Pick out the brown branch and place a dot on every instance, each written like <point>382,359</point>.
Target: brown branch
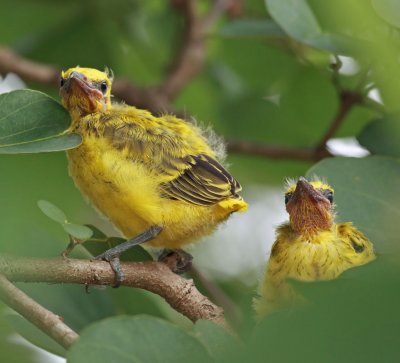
<point>156,277</point>
<point>44,319</point>
<point>347,100</point>
<point>276,152</point>
<point>190,59</point>
<point>28,70</point>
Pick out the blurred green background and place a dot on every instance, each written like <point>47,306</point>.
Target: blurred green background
<point>271,76</point>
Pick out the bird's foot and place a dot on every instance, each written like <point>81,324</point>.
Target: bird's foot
<point>112,254</point>
<point>177,260</point>
<point>115,263</point>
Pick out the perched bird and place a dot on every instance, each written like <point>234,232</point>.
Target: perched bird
<point>157,179</point>
<point>310,247</point>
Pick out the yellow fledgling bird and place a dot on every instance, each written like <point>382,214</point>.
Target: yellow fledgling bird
<point>310,247</point>
<point>155,178</point>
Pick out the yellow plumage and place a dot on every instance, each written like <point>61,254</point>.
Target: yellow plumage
<point>141,170</point>
<point>311,247</point>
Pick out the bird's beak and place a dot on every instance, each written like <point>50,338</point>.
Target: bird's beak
<point>77,82</point>
<point>309,210</point>
<point>78,90</point>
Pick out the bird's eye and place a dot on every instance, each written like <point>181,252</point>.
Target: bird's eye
<point>287,197</point>
<point>103,87</point>
<point>329,196</point>
<point>62,82</point>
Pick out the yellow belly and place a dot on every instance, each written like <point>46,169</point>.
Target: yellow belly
<point>128,194</point>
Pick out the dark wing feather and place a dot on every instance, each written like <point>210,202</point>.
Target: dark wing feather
<point>204,182</point>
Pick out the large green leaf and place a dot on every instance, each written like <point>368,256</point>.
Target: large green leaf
<point>366,193</point>
<point>297,18</point>
<point>136,339</point>
<point>389,10</point>
<point>31,121</point>
<point>218,342</point>
<point>352,319</point>
<point>382,137</point>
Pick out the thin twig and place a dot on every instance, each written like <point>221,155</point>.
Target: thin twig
<point>347,100</point>
<point>156,277</point>
<point>44,319</point>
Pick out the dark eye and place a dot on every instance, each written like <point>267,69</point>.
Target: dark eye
<point>103,87</point>
<point>62,81</point>
<point>287,197</point>
<point>329,196</point>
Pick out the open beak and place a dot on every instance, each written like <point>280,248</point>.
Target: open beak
<point>309,210</point>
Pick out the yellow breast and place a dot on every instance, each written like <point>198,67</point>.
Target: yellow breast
<point>323,257</point>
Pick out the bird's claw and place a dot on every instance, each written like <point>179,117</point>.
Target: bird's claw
<point>177,260</point>
<point>115,264</point>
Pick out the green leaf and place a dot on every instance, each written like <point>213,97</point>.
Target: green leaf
<point>78,231</point>
<point>250,28</point>
<point>389,10</point>
<point>33,334</point>
<point>31,121</point>
<point>295,17</point>
<point>97,233</point>
<point>366,193</point>
<point>298,20</point>
<point>136,339</point>
<point>351,319</point>
<point>57,143</point>
<point>382,136</point>
<point>51,211</point>
<point>218,342</point>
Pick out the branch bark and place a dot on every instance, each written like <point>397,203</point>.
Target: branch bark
<point>156,277</point>
<point>277,151</point>
<point>44,319</point>
<point>347,100</point>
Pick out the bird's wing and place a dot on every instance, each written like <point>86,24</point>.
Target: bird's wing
<point>186,172</point>
<point>358,241</point>
<point>203,181</point>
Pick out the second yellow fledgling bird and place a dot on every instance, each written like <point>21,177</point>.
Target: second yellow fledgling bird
<point>158,179</point>
<point>310,247</point>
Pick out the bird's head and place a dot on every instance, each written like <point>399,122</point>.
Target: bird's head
<point>310,206</point>
<point>85,90</point>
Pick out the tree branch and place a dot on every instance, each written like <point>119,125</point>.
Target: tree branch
<point>277,151</point>
<point>190,58</point>
<point>44,319</point>
<point>28,70</point>
<point>156,277</point>
<point>347,100</point>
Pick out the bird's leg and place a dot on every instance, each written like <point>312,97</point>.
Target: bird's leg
<point>112,254</point>
<point>177,260</point>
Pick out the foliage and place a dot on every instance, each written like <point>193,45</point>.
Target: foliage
<point>268,79</point>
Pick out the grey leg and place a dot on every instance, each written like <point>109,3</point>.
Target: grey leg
<point>112,255</point>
